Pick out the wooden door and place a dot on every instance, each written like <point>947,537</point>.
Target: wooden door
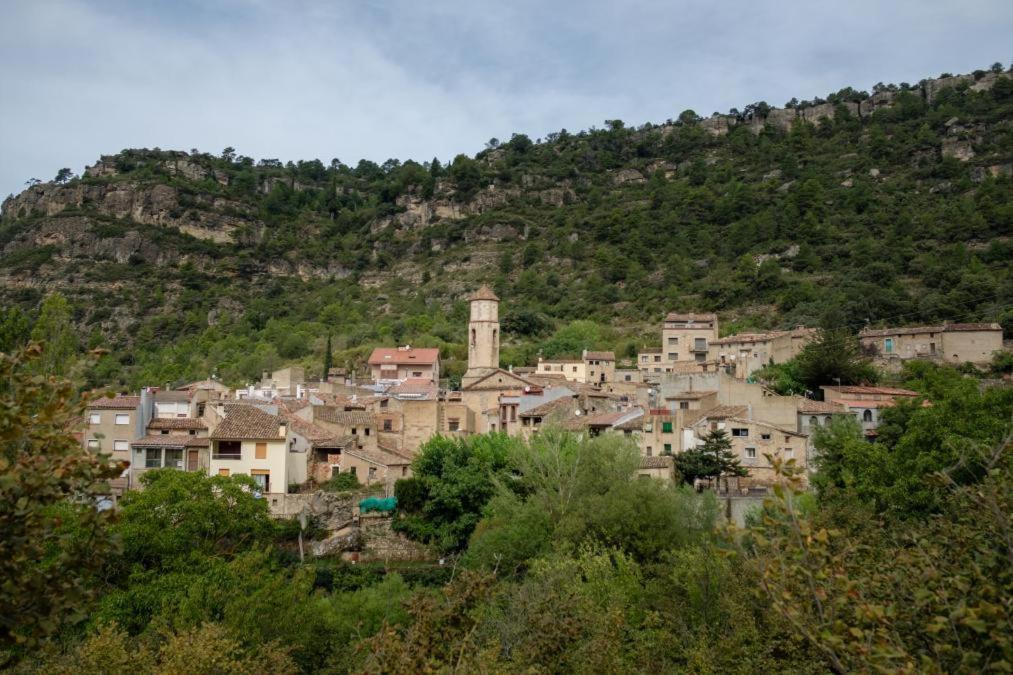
<point>191,460</point>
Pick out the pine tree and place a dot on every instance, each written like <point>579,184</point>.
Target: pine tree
<point>713,459</point>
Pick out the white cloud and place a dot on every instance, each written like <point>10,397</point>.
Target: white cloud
<point>413,80</point>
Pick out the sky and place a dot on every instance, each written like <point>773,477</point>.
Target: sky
<point>411,79</point>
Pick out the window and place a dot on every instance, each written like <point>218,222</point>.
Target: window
<point>121,446</point>
<point>513,413</point>
<point>764,437</point>
<point>223,472</point>
<point>751,453</point>
<point>95,418</point>
<point>173,458</point>
<point>383,403</point>
<point>741,433</point>
<point>668,449</point>
<point>627,377</point>
<point>574,368</point>
<point>228,450</point>
<point>122,419</point>
<point>352,470</point>
<point>453,424</point>
<point>262,478</point>
<point>657,358</point>
<point>372,473</point>
<point>152,458</point>
<point>700,344</point>
<point>388,425</point>
<point>666,427</point>
<point>261,451</point>
<point>683,405</point>
<point>404,470</point>
<point>673,356</point>
<point>867,416</point>
<point>672,341</point>
<point>365,430</point>
<point>888,345</point>
<point>416,373</point>
<point>789,453</point>
<point>93,444</point>
<point>814,421</point>
<point>650,451</point>
<point>355,431</point>
<point>643,358</point>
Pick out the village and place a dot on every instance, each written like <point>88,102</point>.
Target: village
<point>291,434</point>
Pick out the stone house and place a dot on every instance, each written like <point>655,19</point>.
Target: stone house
<point>573,370</point>
<point>600,367</point>
<point>112,425</point>
<point>867,403</point>
<point>650,362</point>
<point>950,343</point>
<point>814,414</point>
<point>752,442</point>
<point>687,336</point>
<point>396,364</point>
<point>743,354</point>
<point>170,443</point>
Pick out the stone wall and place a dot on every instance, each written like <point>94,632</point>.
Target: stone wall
<point>380,542</point>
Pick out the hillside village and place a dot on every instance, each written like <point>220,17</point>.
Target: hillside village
<point>292,434</point>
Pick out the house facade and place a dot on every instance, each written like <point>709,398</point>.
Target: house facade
<point>743,354</point>
<point>950,343</point>
<point>396,364</point>
<point>253,442</point>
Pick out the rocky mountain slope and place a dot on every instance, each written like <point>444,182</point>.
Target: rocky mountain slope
<point>892,207</point>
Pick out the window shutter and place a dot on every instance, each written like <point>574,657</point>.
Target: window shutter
<point>261,451</point>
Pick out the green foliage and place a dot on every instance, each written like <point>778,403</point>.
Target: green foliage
<point>452,481</point>
<point>710,460</point>
<point>53,537</point>
<point>180,514</point>
<point>343,482</point>
<point>898,474</point>
<point>834,357</point>
<point>55,330</point>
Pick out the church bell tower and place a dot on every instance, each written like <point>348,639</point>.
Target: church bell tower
<point>483,331</point>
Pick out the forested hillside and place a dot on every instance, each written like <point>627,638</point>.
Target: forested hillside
<point>889,208</point>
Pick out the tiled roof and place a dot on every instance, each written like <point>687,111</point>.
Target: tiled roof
<point>604,419</point>
<point>543,409</point>
<point>379,456</point>
<point>600,356</point>
<point>691,395</point>
<point>766,425</point>
<point>690,316</point>
<point>483,293</point>
<point>403,356</point>
<point>720,412</point>
<point>171,441</point>
<point>171,396</point>
<point>882,391</point>
<point>158,423</point>
<point>117,403</point>
<point>889,403</point>
<point>351,418</point>
<point>415,387</point>
<point>562,361</point>
<point>917,330</point>
<point>651,350</point>
<point>657,462</point>
<point>810,406</point>
<point>634,424</point>
<point>307,430</point>
<point>247,422</point>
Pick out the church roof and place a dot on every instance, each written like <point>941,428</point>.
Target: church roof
<point>483,293</point>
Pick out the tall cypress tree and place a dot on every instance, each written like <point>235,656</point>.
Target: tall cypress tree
<point>328,360</point>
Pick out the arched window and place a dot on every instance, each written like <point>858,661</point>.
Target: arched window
<point>814,421</point>
<point>867,416</point>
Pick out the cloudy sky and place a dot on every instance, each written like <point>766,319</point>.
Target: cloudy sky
<point>298,79</point>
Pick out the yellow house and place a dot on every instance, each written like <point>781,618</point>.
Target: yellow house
<point>252,442</point>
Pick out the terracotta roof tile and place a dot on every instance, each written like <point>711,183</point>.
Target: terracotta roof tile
<point>657,462</point>
<point>600,356</point>
<point>115,403</point>
<point>483,293</point>
<point>404,356</point>
<point>158,423</point>
<point>809,406</point>
<point>351,418</point>
<point>690,316</point>
<point>543,409</point>
<point>247,422</point>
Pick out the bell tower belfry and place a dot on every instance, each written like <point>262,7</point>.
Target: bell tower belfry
<point>483,332</point>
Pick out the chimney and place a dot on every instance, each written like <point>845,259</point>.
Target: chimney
<point>282,428</point>
<point>583,354</point>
